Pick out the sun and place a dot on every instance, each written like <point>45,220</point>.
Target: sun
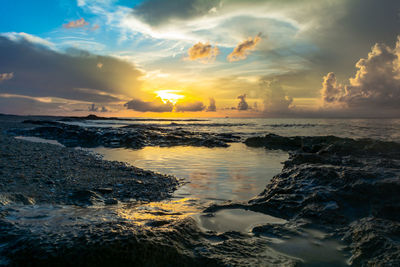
<point>169,96</point>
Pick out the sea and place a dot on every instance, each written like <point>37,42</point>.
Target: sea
<point>236,173</point>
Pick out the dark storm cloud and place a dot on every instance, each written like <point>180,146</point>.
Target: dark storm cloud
<point>350,36</point>
<point>41,72</point>
<point>156,105</point>
<point>157,12</point>
<point>19,105</point>
<point>189,106</point>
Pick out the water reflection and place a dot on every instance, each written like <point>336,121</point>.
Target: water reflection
<point>236,173</point>
<point>158,213</point>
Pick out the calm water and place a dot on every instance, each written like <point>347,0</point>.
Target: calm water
<point>236,173</point>
<point>214,174</point>
<point>384,129</point>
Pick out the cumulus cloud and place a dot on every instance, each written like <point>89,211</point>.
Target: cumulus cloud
<point>243,49</point>
<point>212,107</point>
<point>6,76</point>
<point>79,23</point>
<point>42,72</point>
<point>189,106</point>
<point>276,100</point>
<point>93,108</point>
<point>156,105</point>
<point>157,12</point>
<point>331,91</point>
<point>242,105</point>
<point>376,84</point>
<point>203,52</point>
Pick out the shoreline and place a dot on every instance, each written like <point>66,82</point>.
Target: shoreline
<point>330,189</point>
<point>45,173</point>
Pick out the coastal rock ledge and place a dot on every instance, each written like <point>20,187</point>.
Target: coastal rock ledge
<point>350,188</point>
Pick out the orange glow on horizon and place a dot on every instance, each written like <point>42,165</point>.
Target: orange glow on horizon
<point>169,96</point>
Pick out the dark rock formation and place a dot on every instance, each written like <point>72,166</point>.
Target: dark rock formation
<point>132,136</point>
<point>349,187</point>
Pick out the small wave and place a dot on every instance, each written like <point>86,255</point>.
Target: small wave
<point>291,125</point>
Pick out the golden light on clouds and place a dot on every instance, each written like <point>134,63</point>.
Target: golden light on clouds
<point>241,51</point>
<point>203,52</point>
<point>169,96</point>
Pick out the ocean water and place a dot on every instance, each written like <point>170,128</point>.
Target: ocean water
<point>382,129</point>
<point>238,172</point>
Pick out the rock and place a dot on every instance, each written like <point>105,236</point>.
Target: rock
<point>84,197</point>
<point>131,136</point>
<point>350,187</point>
<point>111,201</point>
<point>104,190</point>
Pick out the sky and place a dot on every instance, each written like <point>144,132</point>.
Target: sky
<point>200,58</point>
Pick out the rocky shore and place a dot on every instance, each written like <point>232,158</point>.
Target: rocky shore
<point>132,136</point>
<point>42,173</point>
<point>345,187</point>
<point>62,206</point>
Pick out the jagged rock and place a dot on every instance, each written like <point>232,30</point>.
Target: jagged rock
<point>85,197</point>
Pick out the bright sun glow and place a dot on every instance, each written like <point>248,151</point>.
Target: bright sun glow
<point>169,95</point>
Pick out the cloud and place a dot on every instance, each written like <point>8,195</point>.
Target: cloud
<point>42,72</point>
<point>189,106</point>
<point>241,51</point>
<point>23,36</point>
<point>330,91</point>
<point>6,76</point>
<point>156,105</point>
<point>158,12</point>
<point>276,100</point>
<point>93,108</point>
<point>95,27</point>
<point>79,23</point>
<point>242,103</point>
<point>212,107</point>
<point>375,86</point>
<point>203,52</point>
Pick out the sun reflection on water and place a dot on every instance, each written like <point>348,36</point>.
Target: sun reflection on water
<point>166,211</point>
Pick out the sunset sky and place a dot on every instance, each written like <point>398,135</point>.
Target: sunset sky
<point>202,58</point>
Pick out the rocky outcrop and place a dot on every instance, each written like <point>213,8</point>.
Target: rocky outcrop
<point>132,136</point>
<point>349,187</point>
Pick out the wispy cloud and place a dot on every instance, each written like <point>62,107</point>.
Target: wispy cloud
<point>6,76</point>
<point>79,23</point>
<point>23,36</point>
<point>243,49</point>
